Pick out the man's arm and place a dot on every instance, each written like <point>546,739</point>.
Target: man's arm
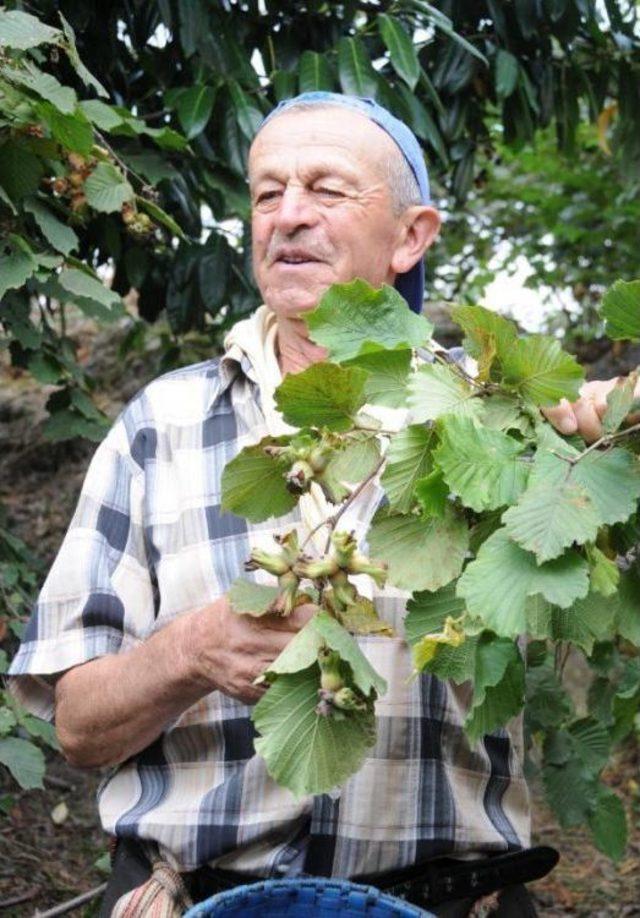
<point>113,707</point>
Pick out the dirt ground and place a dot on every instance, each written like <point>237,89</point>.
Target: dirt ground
<point>48,853</point>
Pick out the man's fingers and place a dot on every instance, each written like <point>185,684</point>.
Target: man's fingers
<point>562,417</point>
<point>588,419</point>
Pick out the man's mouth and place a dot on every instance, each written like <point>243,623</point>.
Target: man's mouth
<point>295,258</point>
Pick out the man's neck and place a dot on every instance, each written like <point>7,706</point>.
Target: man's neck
<point>295,351</point>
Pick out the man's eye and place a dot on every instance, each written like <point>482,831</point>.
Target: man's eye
<point>329,192</point>
<point>267,196</point>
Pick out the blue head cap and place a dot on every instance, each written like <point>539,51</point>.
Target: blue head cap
<point>411,283</point>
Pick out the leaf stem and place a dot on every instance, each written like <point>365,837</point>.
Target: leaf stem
<point>605,440</point>
<point>356,491</point>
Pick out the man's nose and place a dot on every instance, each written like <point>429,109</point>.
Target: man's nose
<point>296,210</point>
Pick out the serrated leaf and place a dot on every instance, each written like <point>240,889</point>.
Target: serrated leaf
<point>591,742</point>
<point>86,289</point>
<point>497,583</point>
<point>253,484</point>
<point>401,49</point>
<point>24,760</point>
<point>421,554</point>
<point>483,467</point>
<point>361,617</point>
<point>547,704</point>
<point>107,189</point>
<point>357,76</point>
<point>627,607</point>
<point>451,637</point>
<point>74,132</point>
<point>323,395</point>
<point>352,318</point>
<point>15,270</point>
<point>621,309</point>
<point>541,371</point>
<point>436,390</point>
<point>586,621</point>
<point>160,216</point>
<point>619,402</point>
<point>498,687</point>
<point>22,31</point>
<point>608,823</point>
<point>408,459</point>
<point>194,107</point>
<point>58,234</point>
<point>571,791</point>
<point>105,117</point>
<point>314,73</point>
<point>250,598</point>
<point>432,494</point>
<point>487,335</point>
<point>72,53</point>
<point>507,69</point>
<point>20,170</point>
<point>567,501</point>
<point>604,573</point>
<point>349,466</point>
<point>427,611</point>
<point>304,751</point>
<point>44,85</point>
<point>388,374</point>
<point>502,412</point>
<point>7,720</point>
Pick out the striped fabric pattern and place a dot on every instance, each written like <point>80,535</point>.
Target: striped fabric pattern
<point>148,542</point>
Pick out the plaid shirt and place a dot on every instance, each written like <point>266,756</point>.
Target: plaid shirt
<point>148,542</point>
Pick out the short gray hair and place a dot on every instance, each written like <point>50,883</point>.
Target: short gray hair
<point>403,185</point>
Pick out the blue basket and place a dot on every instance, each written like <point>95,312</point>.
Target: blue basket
<point>308,898</point>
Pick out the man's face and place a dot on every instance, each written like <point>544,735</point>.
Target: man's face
<point>322,210</point>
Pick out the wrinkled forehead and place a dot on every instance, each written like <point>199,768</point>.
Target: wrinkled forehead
<point>333,133</point>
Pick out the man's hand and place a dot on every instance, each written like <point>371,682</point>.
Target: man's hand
<point>583,417</point>
<point>229,651</point>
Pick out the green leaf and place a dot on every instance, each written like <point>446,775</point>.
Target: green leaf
<point>361,617</point>
<point>621,309</point>
<point>568,501</point>
<point>304,751</point>
<point>541,371</point>
<point>249,598</point>
<point>351,319</point>
<point>91,294</point>
<point>247,112</point>
<point>436,390</point>
<point>194,107</point>
<point>72,53</point>
<point>314,73</point>
<point>20,170</point>
<point>497,583</point>
<point>160,216</point>
<point>619,403</point>
<point>24,760</point>
<point>498,687</point>
<point>421,554</point>
<point>74,132</point>
<point>627,611</point>
<point>45,368</point>
<point>323,395</point>
<point>105,117</point>
<point>357,76</point>
<point>506,73</point>
<point>21,31</point>
<point>502,412</point>
<point>40,729</point>
<point>7,720</point>
<point>253,484</point>
<point>388,374</point>
<point>427,613</point>
<point>432,494</point>
<point>107,189</point>
<point>588,620</point>
<point>408,459</point>
<point>483,467</point>
<point>571,791</point>
<point>15,270</point>
<point>608,823</point>
<point>487,335</point>
<point>401,49</point>
<point>351,464</point>
<point>44,85</point>
<point>284,84</point>
<point>58,234</point>
<point>604,573</point>
<point>591,742</point>
<point>547,704</point>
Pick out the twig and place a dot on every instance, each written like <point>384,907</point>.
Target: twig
<point>21,897</point>
<point>72,903</point>
<point>126,169</point>
<point>602,441</point>
<point>58,782</point>
<point>363,484</point>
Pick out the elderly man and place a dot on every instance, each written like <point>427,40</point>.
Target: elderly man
<point>133,645</point>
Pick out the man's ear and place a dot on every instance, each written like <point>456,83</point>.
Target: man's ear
<point>419,230</point>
